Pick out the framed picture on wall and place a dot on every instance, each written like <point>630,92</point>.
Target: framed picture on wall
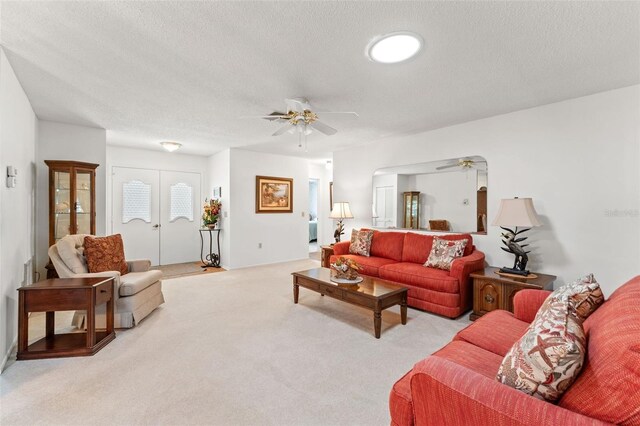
<point>274,194</point>
<point>217,192</point>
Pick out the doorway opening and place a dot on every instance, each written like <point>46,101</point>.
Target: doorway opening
<point>313,216</point>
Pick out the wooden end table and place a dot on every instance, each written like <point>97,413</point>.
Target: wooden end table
<point>66,294</point>
<point>372,293</point>
<point>492,291</point>
<point>325,257</point>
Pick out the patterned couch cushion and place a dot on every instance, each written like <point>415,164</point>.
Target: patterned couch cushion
<point>444,252</point>
<point>584,295</point>
<point>550,355</point>
<point>105,254</point>
<point>361,242</point>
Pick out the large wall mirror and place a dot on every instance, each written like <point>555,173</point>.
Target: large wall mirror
<point>446,195</point>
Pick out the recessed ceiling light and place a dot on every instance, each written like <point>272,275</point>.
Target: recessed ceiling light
<point>171,146</point>
<point>394,47</point>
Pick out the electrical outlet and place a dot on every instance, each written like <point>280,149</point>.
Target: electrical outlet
<point>259,245</point>
<point>225,213</point>
<point>465,201</point>
<point>302,214</point>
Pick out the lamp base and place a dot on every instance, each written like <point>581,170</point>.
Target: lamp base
<point>506,270</point>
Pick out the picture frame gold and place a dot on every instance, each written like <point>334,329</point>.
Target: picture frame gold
<point>274,194</point>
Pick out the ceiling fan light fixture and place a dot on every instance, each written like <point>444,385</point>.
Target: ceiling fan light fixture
<point>171,146</point>
<point>394,47</point>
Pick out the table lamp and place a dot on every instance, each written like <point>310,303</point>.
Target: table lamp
<point>340,211</point>
<point>514,213</point>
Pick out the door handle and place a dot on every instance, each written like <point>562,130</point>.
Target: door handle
<point>156,226</point>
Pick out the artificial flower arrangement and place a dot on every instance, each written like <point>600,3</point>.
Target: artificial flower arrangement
<point>346,268</point>
<point>211,211</point>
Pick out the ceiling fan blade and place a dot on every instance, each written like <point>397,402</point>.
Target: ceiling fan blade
<point>267,117</point>
<point>447,167</point>
<point>323,128</point>
<point>282,130</point>
<point>338,112</point>
<point>298,104</point>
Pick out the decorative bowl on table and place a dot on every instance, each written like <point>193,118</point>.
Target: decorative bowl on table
<point>345,271</point>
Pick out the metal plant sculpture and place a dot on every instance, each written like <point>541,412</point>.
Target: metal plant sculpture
<point>339,231</point>
<point>511,240</point>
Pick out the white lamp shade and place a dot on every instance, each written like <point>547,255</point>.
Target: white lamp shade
<point>517,212</point>
<point>341,211</point>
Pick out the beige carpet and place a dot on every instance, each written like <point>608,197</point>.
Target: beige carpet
<point>231,349</point>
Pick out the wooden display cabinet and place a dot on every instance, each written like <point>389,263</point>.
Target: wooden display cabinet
<point>72,201</point>
<point>411,202</point>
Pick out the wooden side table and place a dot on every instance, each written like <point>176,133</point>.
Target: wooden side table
<point>492,291</point>
<point>327,252</point>
<point>64,295</point>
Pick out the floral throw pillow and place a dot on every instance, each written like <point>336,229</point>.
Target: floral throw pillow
<point>105,254</point>
<point>361,242</point>
<point>549,357</point>
<point>444,252</point>
<point>584,295</point>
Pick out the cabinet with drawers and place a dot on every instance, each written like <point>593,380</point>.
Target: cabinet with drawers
<point>492,291</point>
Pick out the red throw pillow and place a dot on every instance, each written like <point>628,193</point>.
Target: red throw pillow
<point>105,254</point>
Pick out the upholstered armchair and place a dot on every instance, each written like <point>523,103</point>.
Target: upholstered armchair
<point>137,293</point>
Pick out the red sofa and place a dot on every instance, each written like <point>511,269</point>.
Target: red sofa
<point>457,386</point>
<point>400,256</point>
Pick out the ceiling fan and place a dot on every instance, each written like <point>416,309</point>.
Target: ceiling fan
<point>301,118</point>
<point>463,163</point>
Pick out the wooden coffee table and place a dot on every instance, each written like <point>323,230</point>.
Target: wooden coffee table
<point>372,293</point>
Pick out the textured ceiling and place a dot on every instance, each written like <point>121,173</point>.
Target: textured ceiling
<point>187,71</point>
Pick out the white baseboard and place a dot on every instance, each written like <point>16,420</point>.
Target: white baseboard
<point>6,357</point>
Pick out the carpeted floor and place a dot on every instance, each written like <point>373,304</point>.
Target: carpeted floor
<point>231,349</point>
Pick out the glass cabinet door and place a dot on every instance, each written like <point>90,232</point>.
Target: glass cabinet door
<point>62,204</point>
<point>82,203</point>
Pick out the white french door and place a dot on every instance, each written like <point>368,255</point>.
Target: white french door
<point>136,211</point>
<point>158,214</point>
<point>179,217</point>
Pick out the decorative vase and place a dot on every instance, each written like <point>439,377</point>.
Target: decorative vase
<point>211,225</point>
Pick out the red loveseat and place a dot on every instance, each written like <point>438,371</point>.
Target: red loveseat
<point>457,386</point>
<point>400,257</point>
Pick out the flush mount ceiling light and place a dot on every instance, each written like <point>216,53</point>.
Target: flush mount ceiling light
<point>394,47</point>
<point>171,146</point>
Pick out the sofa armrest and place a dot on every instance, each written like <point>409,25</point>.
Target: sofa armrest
<point>139,265</point>
<point>526,303</point>
<point>341,248</point>
<point>105,274</point>
<point>446,393</point>
<point>461,268</point>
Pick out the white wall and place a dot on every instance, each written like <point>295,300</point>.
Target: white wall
<point>60,141</point>
<point>18,133</point>
<point>219,175</point>
<point>284,236</point>
<point>577,159</point>
<point>325,225</point>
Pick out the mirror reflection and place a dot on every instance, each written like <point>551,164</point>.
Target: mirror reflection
<point>445,195</point>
